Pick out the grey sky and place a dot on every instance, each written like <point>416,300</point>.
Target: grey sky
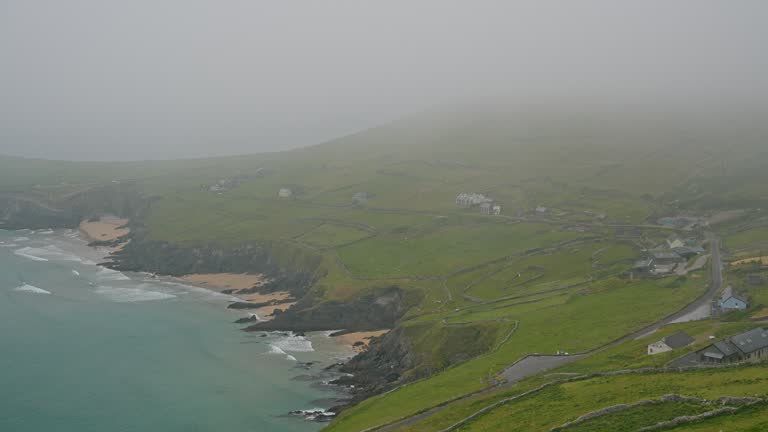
<point>105,79</point>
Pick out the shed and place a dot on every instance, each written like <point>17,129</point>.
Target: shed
<point>731,301</point>
<point>669,343</point>
<point>285,193</point>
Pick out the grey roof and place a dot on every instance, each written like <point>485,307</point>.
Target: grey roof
<point>643,264</point>
<point>678,340</point>
<point>728,293</point>
<point>659,255</point>
<point>725,347</point>
<point>751,341</point>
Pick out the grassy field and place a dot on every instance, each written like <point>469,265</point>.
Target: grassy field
<point>477,275</point>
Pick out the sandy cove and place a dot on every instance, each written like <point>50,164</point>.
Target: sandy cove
<point>107,228</point>
<point>232,283</point>
<point>362,339</point>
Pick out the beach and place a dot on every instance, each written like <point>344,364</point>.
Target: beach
<point>359,340</point>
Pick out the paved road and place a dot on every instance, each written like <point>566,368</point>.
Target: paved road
<point>533,365</point>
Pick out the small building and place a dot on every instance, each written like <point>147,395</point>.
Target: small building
<point>687,251</point>
<point>285,193</point>
<point>496,209</point>
<point>750,346</point>
<point>665,257</point>
<point>541,210</point>
<point>465,199</point>
<point>642,266</point>
<point>720,352</point>
<point>731,301</point>
<point>485,208</point>
<point>669,343</point>
<point>675,241</point>
<point>361,197</point>
<point>753,344</point>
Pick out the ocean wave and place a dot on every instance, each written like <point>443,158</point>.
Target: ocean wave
<point>75,272</point>
<point>199,290</point>
<point>31,289</point>
<point>112,275</point>
<point>44,232</point>
<point>293,344</point>
<point>273,349</point>
<point>21,239</point>
<point>9,245</point>
<point>23,253</point>
<point>47,253</point>
<point>131,295</point>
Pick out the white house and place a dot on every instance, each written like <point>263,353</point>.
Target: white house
<point>285,193</point>
<point>669,343</point>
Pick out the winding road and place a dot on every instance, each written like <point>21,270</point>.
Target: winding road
<point>535,364</point>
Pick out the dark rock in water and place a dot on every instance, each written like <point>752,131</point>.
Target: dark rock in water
<point>228,291</point>
<point>244,320</point>
<point>263,335</point>
<point>299,333</point>
<point>245,305</point>
<point>358,343</point>
<point>315,415</point>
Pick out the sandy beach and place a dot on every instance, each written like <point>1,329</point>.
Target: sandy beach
<point>352,338</point>
<point>226,281</point>
<point>107,228</point>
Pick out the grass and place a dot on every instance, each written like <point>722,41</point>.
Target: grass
<point>457,246</point>
<point>638,417</point>
<point>565,402</point>
<point>411,234</point>
<point>577,324</point>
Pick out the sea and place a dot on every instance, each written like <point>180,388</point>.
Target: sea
<point>84,348</point>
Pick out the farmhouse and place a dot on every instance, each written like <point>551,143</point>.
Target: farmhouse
<point>720,352</point>
<point>750,346</point>
<point>675,241</point>
<point>541,210</point>
<point>669,343</point>
<point>496,209</point>
<point>285,193</point>
<point>753,344</point>
<point>361,197</point>
<point>665,257</point>
<point>471,199</point>
<point>730,301</point>
<point>688,251</point>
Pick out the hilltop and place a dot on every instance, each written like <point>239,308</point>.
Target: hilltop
<point>368,232</point>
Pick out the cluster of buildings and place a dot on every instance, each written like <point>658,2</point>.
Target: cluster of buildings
<point>285,192</point>
<point>750,346</point>
<point>486,204</point>
<point>667,258</point>
<point>222,185</point>
<point>686,223</point>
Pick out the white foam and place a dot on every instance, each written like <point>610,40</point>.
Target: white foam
<point>31,289</point>
<point>9,245</point>
<point>45,232</point>
<point>112,275</point>
<point>131,295</point>
<point>47,253</point>
<point>293,344</point>
<point>23,253</point>
<point>273,349</point>
<point>75,272</point>
<point>21,239</point>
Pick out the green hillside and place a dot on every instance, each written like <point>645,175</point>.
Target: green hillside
<point>490,289</point>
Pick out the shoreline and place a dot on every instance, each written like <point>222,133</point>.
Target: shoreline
<point>107,229</point>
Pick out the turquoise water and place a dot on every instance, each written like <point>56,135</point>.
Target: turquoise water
<point>86,349</point>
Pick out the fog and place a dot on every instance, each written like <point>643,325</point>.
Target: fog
<point>141,79</point>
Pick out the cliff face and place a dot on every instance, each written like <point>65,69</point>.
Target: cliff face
<point>36,210</point>
<point>381,308</point>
